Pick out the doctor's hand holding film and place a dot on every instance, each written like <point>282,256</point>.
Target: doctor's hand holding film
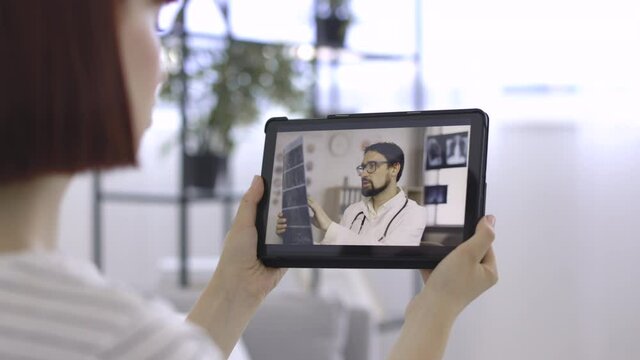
<point>320,219</point>
<point>459,278</point>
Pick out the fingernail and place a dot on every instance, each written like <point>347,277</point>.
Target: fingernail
<point>491,219</point>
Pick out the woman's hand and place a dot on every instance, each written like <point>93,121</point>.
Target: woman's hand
<point>239,266</point>
<point>459,278</point>
<point>466,272</point>
<point>240,282</point>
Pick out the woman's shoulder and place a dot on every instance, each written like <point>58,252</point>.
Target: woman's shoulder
<point>66,281</point>
<point>70,307</point>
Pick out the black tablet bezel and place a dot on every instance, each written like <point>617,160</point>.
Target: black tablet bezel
<point>400,257</point>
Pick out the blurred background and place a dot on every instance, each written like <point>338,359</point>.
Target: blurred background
<point>559,80</point>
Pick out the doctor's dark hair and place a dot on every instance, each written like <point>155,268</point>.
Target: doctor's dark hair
<point>63,100</point>
<point>391,152</point>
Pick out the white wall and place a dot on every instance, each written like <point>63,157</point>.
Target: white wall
<point>566,199</point>
<point>562,170</point>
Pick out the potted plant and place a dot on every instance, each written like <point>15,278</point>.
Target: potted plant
<point>332,20</point>
<point>228,86</point>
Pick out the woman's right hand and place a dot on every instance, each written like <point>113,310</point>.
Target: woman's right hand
<point>459,278</point>
<point>464,274</point>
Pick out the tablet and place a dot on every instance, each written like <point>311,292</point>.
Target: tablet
<point>377,190</point>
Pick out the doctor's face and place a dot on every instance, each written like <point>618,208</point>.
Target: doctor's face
<point>377,181</point>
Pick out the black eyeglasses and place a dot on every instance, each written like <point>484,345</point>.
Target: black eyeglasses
<point>371,167</point>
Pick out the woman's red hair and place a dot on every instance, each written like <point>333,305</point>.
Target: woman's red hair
<point>63,101</point>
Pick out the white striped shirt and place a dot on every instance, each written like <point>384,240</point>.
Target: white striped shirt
<point>52,307</point>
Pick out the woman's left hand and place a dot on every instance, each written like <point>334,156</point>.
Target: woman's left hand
<point>240,282</point>
<point>239,266</point>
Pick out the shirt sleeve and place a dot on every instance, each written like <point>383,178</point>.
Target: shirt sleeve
<point>162,335</point>
<point>330,237</point>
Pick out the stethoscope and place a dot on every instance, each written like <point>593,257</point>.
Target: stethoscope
<point>364,217</point>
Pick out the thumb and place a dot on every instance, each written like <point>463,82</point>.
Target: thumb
<point>246,215</point>
<point>481,241</point>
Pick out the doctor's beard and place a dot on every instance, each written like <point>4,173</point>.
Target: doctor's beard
<point>373,191</point>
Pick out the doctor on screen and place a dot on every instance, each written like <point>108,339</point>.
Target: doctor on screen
<point>385,217</point>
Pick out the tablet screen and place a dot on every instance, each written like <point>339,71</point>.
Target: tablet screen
<point>402,186</point>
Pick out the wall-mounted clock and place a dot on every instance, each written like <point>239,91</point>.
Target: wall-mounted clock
<point>339,144</point>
